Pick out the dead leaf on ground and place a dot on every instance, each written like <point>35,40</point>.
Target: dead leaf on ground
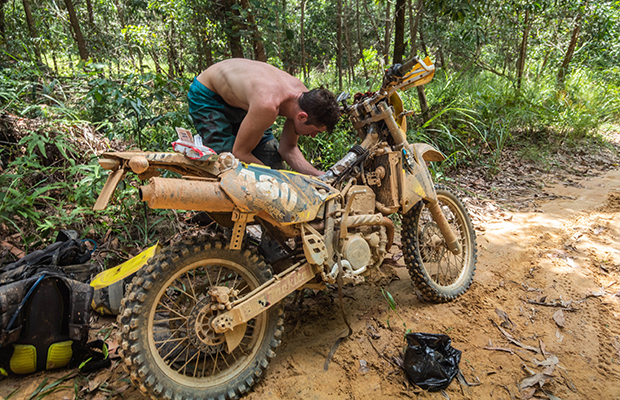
<point>527,395</point>
<point>508,324</point>
<point>363,367</point>
<point>596,293</point>
<point>568,382</point>
<point>17,252</point>
<point>558,317</point>
<point>543,348</point>
<point>551,360</point>
<point>94,383</point>
<point>536,379</point>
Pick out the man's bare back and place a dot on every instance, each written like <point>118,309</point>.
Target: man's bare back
<point>242,83</point>
<point>265,92</point>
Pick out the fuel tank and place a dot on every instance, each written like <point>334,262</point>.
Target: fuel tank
<point>289,197</point>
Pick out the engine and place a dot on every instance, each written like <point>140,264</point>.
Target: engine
<point>367,238</point>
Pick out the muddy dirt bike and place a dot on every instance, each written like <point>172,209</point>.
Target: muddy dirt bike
<point>203,318</point>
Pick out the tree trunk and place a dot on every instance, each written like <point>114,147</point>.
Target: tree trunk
<point>54,61</point>
<point>75,24</point>
<point>359,39</point>
<point>2,21</point>
<point>571,48</point>
<point>348,42</point>
<point>399,31</point>
<point>415,23</point>
<point>32,29</point>
<point>208,50</point>
<point>121,14</point>
<point>523,49</point>
<point>388,38</point>
<point>422,41</point>
<point>257,41</point>
<point>173,57</point>
<point>278,32</point>
<point>233,28</point>
<point>155,61</point>
<point>372,21</point>
<point>414,49</point>
<point>302,38</point>
<point>91,17</point>
<point>339,40</point>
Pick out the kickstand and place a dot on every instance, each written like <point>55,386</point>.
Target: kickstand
<point>344,316</point>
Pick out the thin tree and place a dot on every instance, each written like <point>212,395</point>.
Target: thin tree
<point>233,28</point>
<point>359,38</point>
<point>414,50</point>
<point>388,33</point>
<point>77,32</point>
<point>399,31</point>
<point>2,21</point>
<point>523,49</point>
<point>257,41</point>
<point>339,39</point>
<point>32,29</point>
<point>303,49</point>
<point>348,42</point>
<point>91,16</point>
<point>568,56</point>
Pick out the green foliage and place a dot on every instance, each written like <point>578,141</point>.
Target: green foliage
<point>392,306</point>
<point>139,108</point>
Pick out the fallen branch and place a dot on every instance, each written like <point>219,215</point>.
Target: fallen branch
<point>514,341</point>
<point>507,350</point>
<point>554,304</point>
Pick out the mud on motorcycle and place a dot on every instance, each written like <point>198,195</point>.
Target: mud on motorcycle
<point>203,318</point>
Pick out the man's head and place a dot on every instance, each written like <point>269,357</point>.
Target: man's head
<point>321,108</point>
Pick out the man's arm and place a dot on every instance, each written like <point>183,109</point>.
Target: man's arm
<point>291,154</point>
<point>251,130</point>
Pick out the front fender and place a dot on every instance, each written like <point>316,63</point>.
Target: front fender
<point>428,152</point>
<point>417,183</point>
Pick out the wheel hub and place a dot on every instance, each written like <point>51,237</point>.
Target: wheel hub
<point>201,334</point>
<point>434,244</point>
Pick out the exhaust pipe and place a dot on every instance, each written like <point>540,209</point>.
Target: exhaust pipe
<point>183,194</point>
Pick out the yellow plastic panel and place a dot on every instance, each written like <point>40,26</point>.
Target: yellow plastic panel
<point>59,354</point>
<point>24,359</point>
<point>108,277</point>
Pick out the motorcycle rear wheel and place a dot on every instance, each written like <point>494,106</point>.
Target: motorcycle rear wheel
<point>167,343</point>
<point>439,274</point>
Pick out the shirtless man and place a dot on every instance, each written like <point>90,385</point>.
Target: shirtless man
<point>234,103</point>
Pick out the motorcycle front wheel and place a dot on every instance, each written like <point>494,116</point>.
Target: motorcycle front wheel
<point>438,273</point>
<point>168,345</point>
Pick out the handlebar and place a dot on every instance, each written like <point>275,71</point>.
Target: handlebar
<point>399,70</point>
<point>403,69</point>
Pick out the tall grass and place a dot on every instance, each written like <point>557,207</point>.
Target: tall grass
<point>475,116</point>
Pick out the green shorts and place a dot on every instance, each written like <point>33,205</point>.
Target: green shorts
<point>218,123</point>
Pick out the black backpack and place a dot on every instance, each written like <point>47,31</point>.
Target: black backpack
<point>44,311</point>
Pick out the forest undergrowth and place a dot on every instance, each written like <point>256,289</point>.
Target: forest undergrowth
<point>53,128</point>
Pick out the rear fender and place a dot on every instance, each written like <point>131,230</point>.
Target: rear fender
<point>146,165</point>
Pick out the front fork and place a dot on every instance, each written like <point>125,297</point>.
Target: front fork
<point>442,223</point>
<point>417,185</point>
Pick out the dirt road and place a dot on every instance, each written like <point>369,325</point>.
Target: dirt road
<point>555,274</point>
<point>544,305</point>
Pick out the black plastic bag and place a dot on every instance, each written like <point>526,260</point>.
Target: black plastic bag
<point>430,361</point>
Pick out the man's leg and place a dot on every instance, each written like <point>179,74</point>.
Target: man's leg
<point>267,152</point>
<point>210,117</point>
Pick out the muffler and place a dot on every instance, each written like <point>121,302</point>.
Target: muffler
<point>185,194</point>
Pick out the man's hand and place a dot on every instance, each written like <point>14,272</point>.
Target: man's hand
<point>291,154</point>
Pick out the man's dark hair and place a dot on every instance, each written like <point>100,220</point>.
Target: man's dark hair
<point>321,107</point>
